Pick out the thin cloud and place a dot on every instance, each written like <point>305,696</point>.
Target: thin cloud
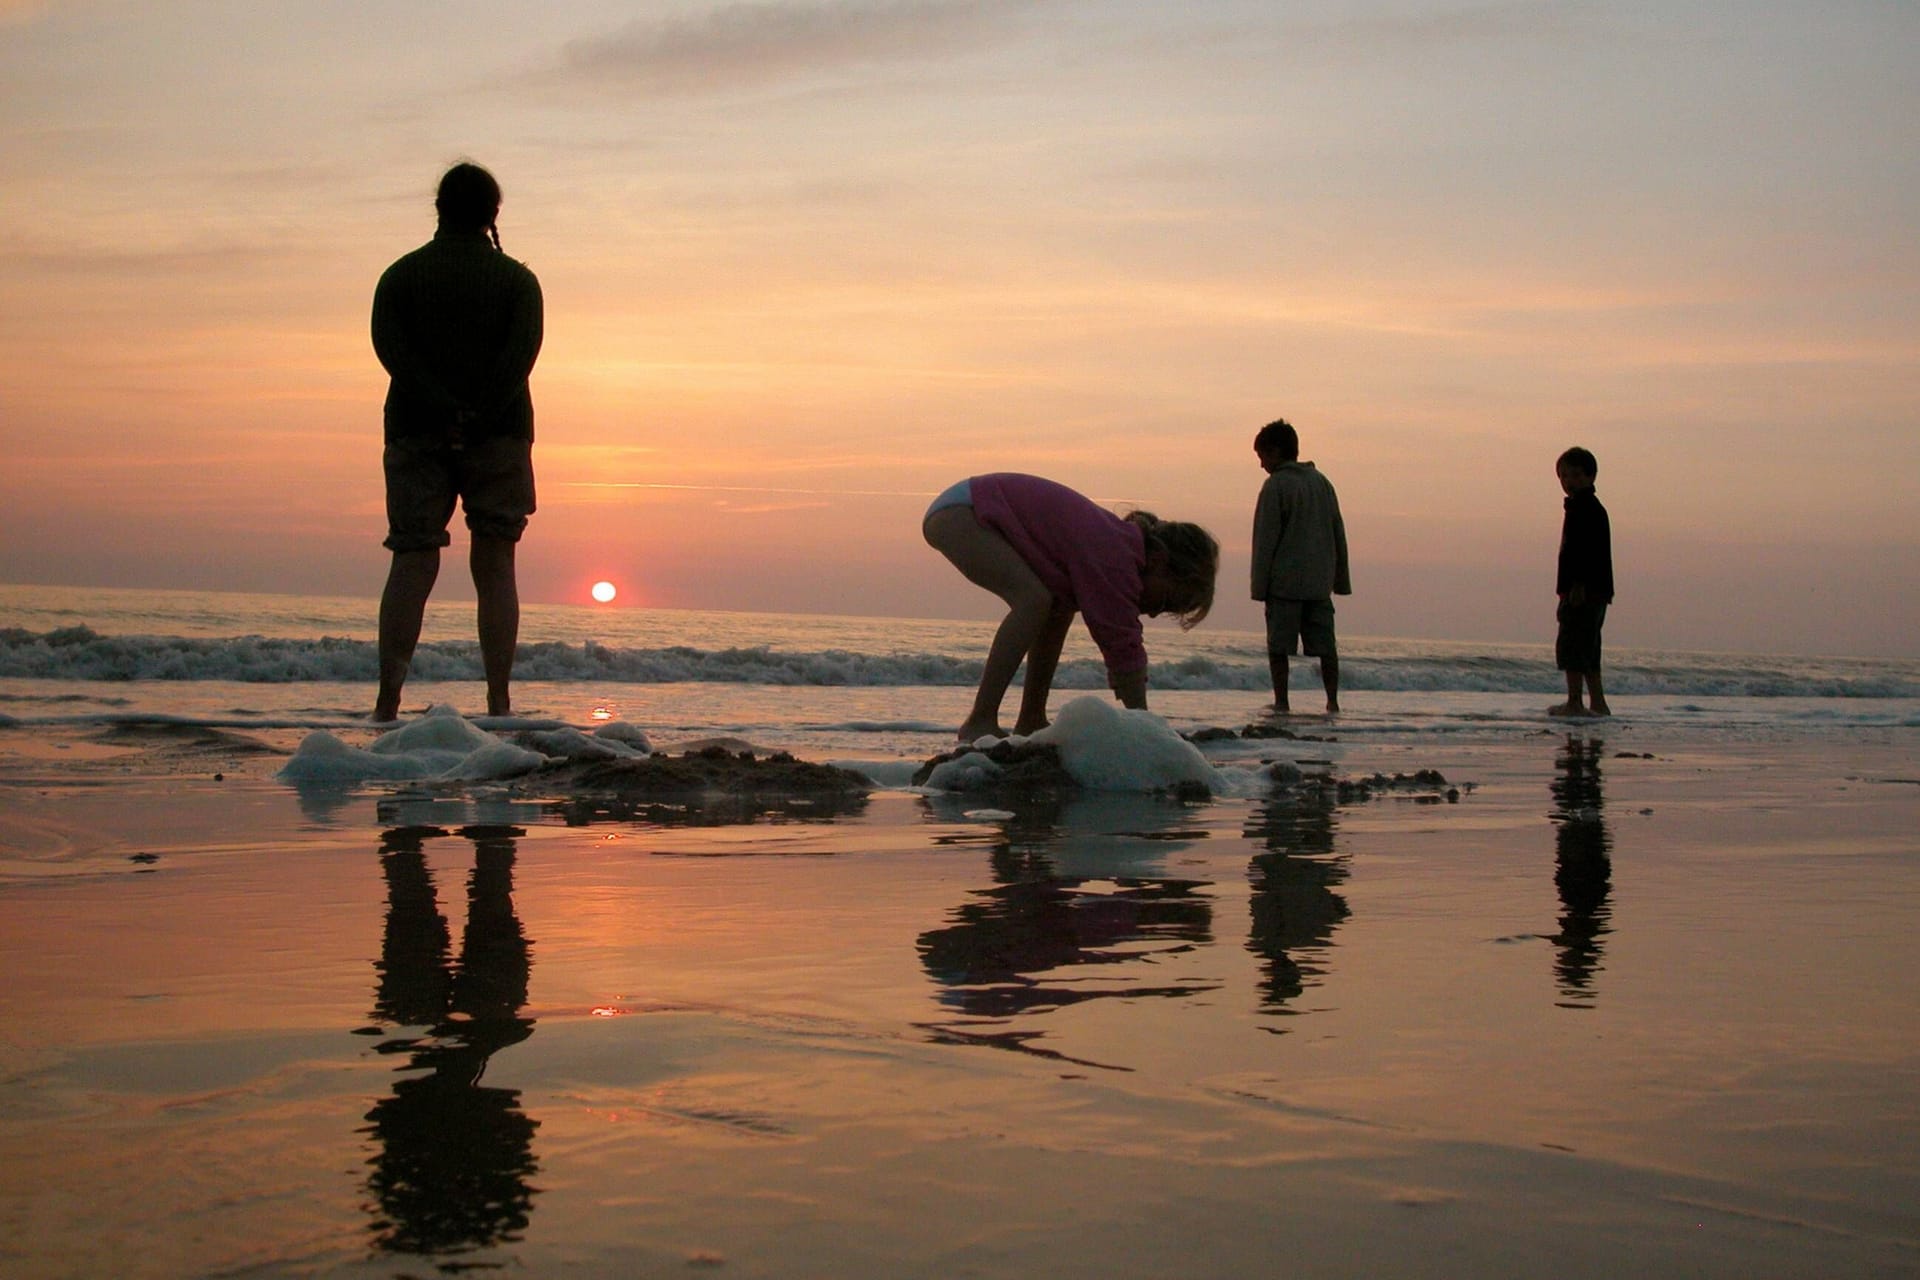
<point>21,12</point>
<point>753,44</point>
<point>1314,38</point>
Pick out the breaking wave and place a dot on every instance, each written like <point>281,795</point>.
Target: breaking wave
<point>79,653</point>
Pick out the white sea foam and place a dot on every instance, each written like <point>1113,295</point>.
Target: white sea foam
<point>1103,748</point>
<point>441,746</point>
<point>1109,748</point>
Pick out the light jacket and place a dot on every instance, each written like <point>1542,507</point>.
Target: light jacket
<point>1299,540</point>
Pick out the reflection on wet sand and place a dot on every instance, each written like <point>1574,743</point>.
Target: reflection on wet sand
<point>716,810</point>
<point>453,1158</point>
<point>1294,907</point>
<point>1037,940</point>
<point>1583,870</point>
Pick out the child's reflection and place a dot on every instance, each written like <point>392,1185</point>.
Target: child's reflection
<point>451,1166</point>
<point>1583,869</point>
<point>1294,907</point>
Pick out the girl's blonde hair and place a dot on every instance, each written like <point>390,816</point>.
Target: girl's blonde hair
<point>1193,562</point>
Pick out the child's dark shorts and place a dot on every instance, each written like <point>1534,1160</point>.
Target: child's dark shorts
<point>1577,647</point>
<point>492,478</point>
<point>1303,624</point>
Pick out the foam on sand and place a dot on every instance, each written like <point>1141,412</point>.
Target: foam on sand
<point>444,746</point>
<point>1103,748</point>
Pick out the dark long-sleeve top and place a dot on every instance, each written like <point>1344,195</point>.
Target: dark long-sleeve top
<point>1586,549</point>
<point>458,325</point>
<point>1299,539</point>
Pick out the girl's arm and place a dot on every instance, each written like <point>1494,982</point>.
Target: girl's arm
<point>1131,689</point>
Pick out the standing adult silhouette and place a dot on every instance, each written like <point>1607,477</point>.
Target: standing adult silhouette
<point>457,324</point>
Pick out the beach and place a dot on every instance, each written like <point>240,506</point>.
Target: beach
<point>1438,988</point>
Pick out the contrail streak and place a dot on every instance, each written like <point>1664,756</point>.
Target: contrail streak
<point>761,488</point>
<point>748,488</point>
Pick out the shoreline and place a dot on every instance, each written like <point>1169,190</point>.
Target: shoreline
<point>1641,989</point>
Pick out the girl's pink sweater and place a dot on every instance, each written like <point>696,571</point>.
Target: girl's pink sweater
<point>1083,553</point>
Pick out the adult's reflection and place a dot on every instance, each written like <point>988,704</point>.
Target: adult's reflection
<point>453,1157</point>
<point>1036,940</point>
<point>1293,904</point>
<point>1583,869</point>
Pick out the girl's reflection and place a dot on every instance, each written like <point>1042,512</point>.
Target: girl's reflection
<point>1037,940</point>
<point>453,1158</point>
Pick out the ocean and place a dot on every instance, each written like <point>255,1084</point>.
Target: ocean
<point>845,688</point>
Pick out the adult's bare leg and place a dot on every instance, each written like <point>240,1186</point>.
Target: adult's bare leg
<point>491,560</point>
<point>1330,681</point>
<point>403,604</point>
<point>989,560</point>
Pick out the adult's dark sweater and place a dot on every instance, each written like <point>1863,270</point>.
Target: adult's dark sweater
<point>1586,549</point>
<point>458,324</point>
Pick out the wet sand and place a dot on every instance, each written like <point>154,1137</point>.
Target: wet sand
<point>1631,1005</point>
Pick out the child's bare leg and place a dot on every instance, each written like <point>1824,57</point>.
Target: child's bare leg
<point>1571,707</point>
<point>1277,671</point>
<point>989,561</point>
<point>1330,680</point>
<point>1596,699</point>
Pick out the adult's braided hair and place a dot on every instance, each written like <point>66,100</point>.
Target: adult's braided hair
<point>1193,562</point>
<point>469,200</point>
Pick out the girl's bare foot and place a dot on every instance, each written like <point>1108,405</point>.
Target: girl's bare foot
<point>974,730</point>
<point>1567,709</point>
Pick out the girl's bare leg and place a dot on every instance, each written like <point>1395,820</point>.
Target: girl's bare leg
<point>1042,661</point>
<point>988,560</point>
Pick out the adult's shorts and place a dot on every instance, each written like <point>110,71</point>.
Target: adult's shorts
<point>491,478</point>
<point>1305,626</point>
<point>1577,646</point>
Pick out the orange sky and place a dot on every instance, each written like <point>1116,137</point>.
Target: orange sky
<point>805,264</point>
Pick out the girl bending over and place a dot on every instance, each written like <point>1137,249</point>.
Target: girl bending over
<point>1049,553</point>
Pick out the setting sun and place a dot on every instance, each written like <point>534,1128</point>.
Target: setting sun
<point>604,592</point>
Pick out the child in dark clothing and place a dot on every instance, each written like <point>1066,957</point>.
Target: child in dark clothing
<point>1584,584</point>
